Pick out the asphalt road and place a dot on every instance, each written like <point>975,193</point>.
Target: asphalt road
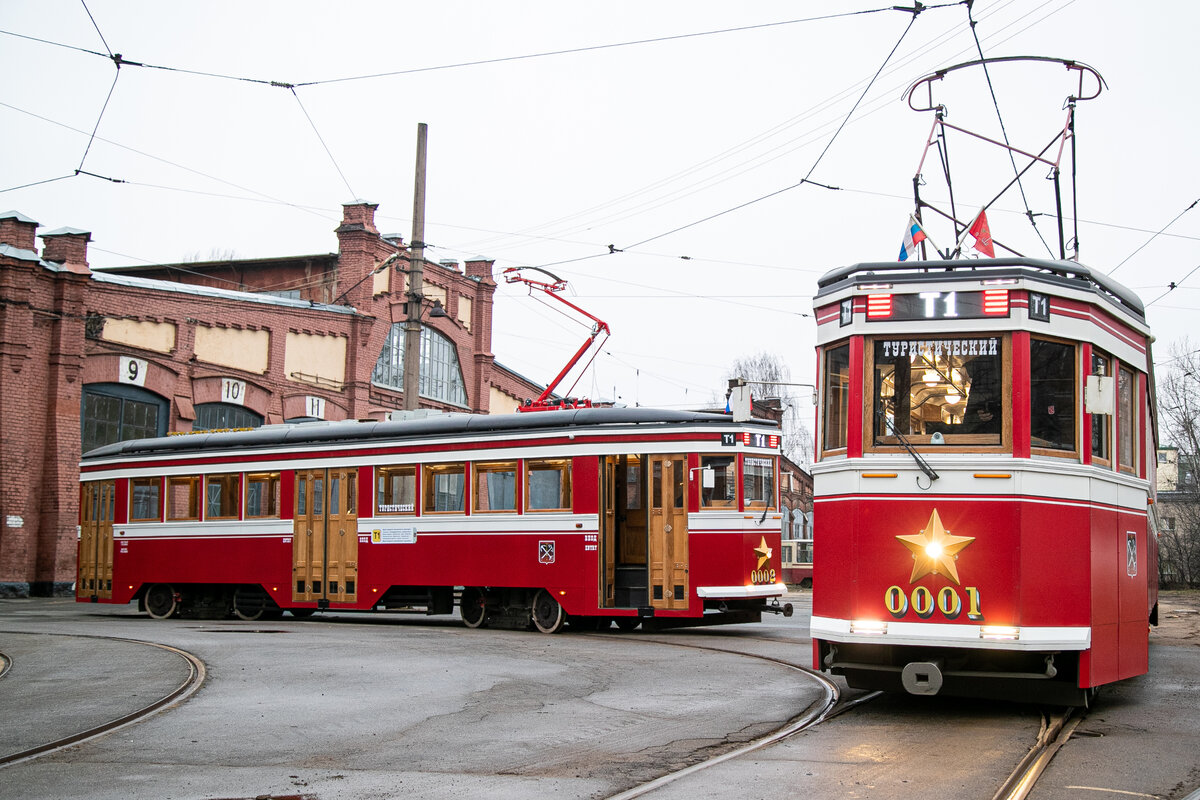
<point>388,706</point>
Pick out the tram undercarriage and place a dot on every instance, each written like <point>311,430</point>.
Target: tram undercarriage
<point>1024,676</point>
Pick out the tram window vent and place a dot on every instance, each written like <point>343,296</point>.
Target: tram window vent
<point>349,587</point>
<point>678,592</point>
<point>299,587</point>
<point>109,587</point>
<point>658,594</point>
<point>316,587</point>
<point>333,587</point>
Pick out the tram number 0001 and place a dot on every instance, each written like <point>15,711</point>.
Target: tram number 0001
<point>762,576</point>
<point>923,602</point>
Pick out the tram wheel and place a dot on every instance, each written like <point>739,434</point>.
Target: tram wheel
<point>160,601</point>
<point>249,603</point>
<point>548,614</point>
<point>471,607</point>
<point>627,624</point>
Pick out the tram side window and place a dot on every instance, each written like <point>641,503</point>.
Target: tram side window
<point>495,487</point>
<point>548,485</point>
<point>1052,394</point>
<point>183,497</point>
<point>758,479</point>
<point>1101,434</point>
<point>837,397</point>
<point>221,496</point>
<point>145,503</point>
<point>723,492</point>
<point>945,388</point>
<point>1126,419</point>
<point>262,495</point>
<point>396,489</point>
<point>444,487</point>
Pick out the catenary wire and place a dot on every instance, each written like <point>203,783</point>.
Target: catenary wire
<point>1154,236</point>
<point>916,10</point>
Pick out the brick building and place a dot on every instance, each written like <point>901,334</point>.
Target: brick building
<point>91,357</point>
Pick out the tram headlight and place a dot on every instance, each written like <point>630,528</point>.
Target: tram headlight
<point>871,626</point>
<point>1002,632</point>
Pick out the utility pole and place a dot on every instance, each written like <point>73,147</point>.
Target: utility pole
<point>416,276</point>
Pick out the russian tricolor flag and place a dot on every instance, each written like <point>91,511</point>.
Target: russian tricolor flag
<point>914,234</point>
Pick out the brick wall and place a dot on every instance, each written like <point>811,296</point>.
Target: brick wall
<point>53,316</point>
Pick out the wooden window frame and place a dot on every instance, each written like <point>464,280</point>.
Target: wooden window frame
<point>387,469</point>
<point>481,470</point>
<point>961,442</point>
<point>429,472</point>
<point>133,483</point>
<point>563,467</point>
<point>194,505</point>
<point>273,483</point>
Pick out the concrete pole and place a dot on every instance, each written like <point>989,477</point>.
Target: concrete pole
<point>416,270</point>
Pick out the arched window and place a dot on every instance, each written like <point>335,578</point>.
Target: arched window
<point>441,375</point>
<point>114,412</point>
<point>217,416</point>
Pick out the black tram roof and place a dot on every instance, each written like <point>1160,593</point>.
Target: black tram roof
<point>1064,273</point>
<point>348,431</point>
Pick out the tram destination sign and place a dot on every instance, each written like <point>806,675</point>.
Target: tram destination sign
<point>937,305</point>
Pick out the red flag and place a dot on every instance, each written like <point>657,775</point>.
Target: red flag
<point>983,235</point>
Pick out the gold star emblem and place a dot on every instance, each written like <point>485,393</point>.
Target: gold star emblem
<point>763,552</point>
<point>935,550</point>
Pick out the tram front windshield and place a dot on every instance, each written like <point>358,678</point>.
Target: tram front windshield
<point>938,389</point>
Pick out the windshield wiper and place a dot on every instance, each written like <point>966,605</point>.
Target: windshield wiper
<point>921,462</point>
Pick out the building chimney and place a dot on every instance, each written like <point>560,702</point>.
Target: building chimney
<point>358,216</point>
<point>18,230</point>
<point>480,269</point>
<point>67,246</point>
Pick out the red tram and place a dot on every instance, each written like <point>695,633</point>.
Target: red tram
<point>637,516</point>
<point>984,481</point>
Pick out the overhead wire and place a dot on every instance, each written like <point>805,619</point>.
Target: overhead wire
<point>915,11</point>
<point>1153,237</point>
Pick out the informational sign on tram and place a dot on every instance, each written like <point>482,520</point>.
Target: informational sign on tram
<point>937,305</point>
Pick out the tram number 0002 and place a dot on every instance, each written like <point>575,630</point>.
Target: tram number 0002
<point>762,576</point>
<point>923,602</point>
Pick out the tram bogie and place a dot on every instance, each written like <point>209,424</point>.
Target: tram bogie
<point>984,480</point>
<point>573,519</point>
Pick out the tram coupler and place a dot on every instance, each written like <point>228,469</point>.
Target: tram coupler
<point>775,608</point>
<point>922,677</point>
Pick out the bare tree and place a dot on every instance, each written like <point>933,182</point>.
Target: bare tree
<point>1179,504</point>
<point>770,379</point>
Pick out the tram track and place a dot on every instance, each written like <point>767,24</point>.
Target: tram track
<point>811,716</point>
<point>1056,730</point>
<point>193,681</point>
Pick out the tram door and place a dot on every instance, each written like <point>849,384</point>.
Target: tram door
<point>668,531</point>
<point>96,541</point>
<point>325,537</point>
<point>644,527</point>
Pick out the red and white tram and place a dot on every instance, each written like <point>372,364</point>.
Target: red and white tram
<point>984,479</point>
<point>592,516</point>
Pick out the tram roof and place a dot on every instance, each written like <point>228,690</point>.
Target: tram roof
<point>420,428</point>
<point>1064,273</point>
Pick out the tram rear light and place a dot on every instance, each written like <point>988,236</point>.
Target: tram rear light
<point>1002,632</point>
<point>995,301</point>
<point>879,306</point>
<point>868,626</point>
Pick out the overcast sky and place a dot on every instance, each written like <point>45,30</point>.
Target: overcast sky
<point>630,139</point>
